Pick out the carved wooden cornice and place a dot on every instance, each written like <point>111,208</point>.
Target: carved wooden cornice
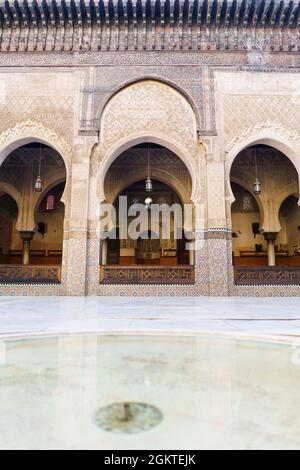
<point>37,25</point>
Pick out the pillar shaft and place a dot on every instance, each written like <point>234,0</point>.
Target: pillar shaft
<point>270,237</point>
<point>191,257</point>
<point>104,252</point>
<point>26,236</point>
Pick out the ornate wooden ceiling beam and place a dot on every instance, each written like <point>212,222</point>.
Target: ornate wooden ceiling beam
<point>226,24</point>
<point>134,24</point>
<point>172,25</point>
<point>289,21</point>
<point>153,30</point>
<point>199,21</point>
<point>7,25</point>
<point>207,23</point>
<point>297,27</point>
<point>70,22</point>
<point>190,23</point>
<point>236,25</point>
<point>17,21</point>
<point>218,24</point>
<point>116,25</point>
<point>125,24</point>
<point>98,25</point>
<point>162,23</point>
<point>180,23</point>
<point>144,23</point>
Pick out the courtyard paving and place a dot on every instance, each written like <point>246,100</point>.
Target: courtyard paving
<point>273,318</point>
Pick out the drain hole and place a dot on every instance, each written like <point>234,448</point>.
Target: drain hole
<point>128,417</point>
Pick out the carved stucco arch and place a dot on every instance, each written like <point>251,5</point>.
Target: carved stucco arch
<point>149,111</point>
<point>144,78</point>
<point>271,133</point>
<point>174,147</point>
<point>31,131</point>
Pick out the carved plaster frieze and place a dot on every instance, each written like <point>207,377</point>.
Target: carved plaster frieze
<point>261,129</point>
<point>31,128</point>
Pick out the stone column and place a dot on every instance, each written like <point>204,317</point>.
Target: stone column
<point>77,231</point>
<point>199,244</point>
<point>104,252</point>
<point>270,237</point>
<point>26,236</point>
<point>191,257</point>
<point>217,231</point>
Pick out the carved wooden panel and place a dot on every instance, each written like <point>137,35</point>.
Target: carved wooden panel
<point>13,274</point>
<point>147,274</point>
<point>267,275</point>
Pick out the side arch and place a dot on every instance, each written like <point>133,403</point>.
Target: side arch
<point>30,131</point>
<point>270,133</point>
<point>12,191</point>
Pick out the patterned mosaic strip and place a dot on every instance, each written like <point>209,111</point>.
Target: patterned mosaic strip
<point>12,274</point>
<point>271,275</point>
<point>147,275</point>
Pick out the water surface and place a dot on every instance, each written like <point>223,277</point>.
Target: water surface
<point>212,393</point>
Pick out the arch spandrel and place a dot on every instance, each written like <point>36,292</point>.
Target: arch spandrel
<point>149,78</point>
<point>148,105</point>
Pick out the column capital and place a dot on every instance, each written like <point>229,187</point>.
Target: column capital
<point>26,235</point>
<point>270,236</point>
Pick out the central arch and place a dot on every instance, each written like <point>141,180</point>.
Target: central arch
<point>178,150</point>
<point>171,189</point>
<point>149,110</point>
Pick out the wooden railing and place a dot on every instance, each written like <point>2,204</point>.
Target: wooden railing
<point>267,275</point>
<point>18,274</point>
<point>141,274</point>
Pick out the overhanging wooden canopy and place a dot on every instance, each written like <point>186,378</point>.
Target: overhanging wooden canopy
<point>149,25</point>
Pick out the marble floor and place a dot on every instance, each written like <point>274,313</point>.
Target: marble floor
<point>268,318</point>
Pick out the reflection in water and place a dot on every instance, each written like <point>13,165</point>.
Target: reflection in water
<point>212,393</point>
